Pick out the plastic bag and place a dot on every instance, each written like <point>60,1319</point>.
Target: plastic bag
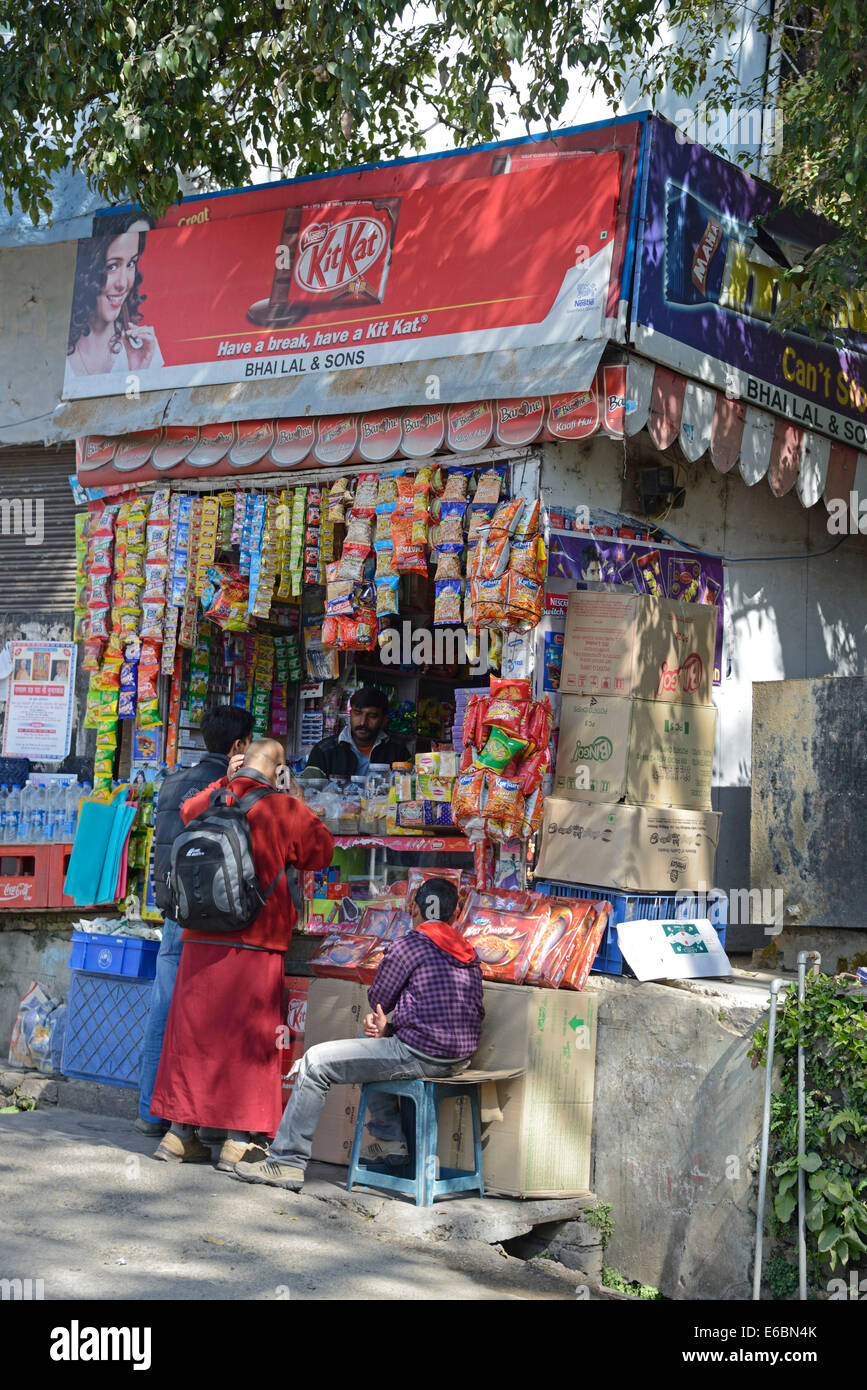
<point>30,1043</point>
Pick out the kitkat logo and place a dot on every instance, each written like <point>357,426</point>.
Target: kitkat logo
<point>333,255</point>
<point>687,677</point>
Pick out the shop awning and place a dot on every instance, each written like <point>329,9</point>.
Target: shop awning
<point>704,421</point>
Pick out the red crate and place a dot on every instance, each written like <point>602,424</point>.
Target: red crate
<point>60,856</point>
<point>25,871</point>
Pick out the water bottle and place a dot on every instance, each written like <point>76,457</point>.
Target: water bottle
<point>33,814</point>
<point>4,797</point>
<point>11,816</point>
<point>70,811</point>
<point>55,796</point>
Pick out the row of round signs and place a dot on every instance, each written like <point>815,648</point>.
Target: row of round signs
<point>374,437</point>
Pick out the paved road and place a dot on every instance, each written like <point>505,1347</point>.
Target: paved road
<point>86,1210</point>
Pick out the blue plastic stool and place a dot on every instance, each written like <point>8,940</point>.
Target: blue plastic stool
<point>429,1180</point>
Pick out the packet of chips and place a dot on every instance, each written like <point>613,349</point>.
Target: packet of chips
<point>499,750</point>
<point>527,524</point>
<point>505,518</point>
<point>524,601</point>
<point>447,602</point>
<point>528,558</point>
<point>352,561</point>
<point>489,486</point>
<point>456,484</point>
<point>491,600</point>
<point>495,557</point>
<point>338,495</point>
<point>386,596</point>
<point>410,557</point>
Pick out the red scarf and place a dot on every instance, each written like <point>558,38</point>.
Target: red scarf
<point>448,940</point>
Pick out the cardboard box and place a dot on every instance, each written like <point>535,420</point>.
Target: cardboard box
<point>335,1009</point>
<point>593,748</point>
<point>670,759</point>
<point>636,645</point>
<point>542,1145</point>
<point>295,989</point>
<point>646,848</point>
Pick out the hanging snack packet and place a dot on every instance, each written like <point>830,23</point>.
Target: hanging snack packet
<point>456,485</point>
<point>384,560</point>
<point>386,597</point>
<point>489,486</point>
<point>467,804</point>
<point>450,532</point>
<point>365,496</point>
<point>358,529</point>
<point>491,601</point>
<point>528,558</point>
<point>352,561</point>
<point>525,599</point>
<point>386,491</point>
<point>503,799</point>
<point>410,557</point>
<point>447,602</point>
<point>505,518</point>
<point>448,565</point>
<point>495,557</point>
<point>480,520</point>
<point>509,715</point>
<point>499,750</point>
<point>527,524</point>
<point>338,495</point>
<point>511,688</point>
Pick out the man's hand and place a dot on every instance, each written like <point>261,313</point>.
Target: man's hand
<point>375,1025</point>
<point>235,763</point>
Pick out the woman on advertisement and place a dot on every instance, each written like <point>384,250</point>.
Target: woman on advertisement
<point>106,332</point>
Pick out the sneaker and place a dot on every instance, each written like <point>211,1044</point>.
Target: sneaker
<point>255,1166</point>
<point>391,1151</point>
<point>174,1149</point>
<point>233,1152</point>
<point>154,1129</point>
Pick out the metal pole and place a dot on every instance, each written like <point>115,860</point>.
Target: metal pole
<point>803,957</point>
<point>776,986</point>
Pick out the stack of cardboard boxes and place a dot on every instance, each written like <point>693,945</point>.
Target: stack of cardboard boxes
<point>631,807</point>
<point>537,1125</point>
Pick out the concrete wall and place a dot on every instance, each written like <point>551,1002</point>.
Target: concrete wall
<point>784,620</point>
<point>40,954</point>
<point>677,1119</point>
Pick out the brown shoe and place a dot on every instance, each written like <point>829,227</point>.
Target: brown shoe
<point>174,1149</point>
<point>232,1152</point>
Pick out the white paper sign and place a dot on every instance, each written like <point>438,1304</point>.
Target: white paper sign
<point>38,721</point>
<point>672,950</point>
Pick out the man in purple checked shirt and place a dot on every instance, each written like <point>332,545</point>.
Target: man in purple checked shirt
<point>431,983</point>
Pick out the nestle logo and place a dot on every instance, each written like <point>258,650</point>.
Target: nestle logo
<point>312,235</point>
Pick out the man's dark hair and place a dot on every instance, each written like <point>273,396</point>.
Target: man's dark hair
<point>223,725</point>
<point>369,698</point>
<point>437,900</point>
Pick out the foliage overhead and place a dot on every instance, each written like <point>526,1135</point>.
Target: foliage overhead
<point>132,95</point>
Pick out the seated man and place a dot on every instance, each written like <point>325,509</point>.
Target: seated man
<point>432,981</point>
<point>360,742</point>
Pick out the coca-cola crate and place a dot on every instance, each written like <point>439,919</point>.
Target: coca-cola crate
<point>60,856</point>
<point>24,876</point>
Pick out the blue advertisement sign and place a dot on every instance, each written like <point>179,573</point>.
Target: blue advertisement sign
<point>713,249</point>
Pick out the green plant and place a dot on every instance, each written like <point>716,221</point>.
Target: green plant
<point>613,1279</point>
<point>833,1024</point>
<point>600,1217</point>
<point>18,1102</point>
<point>782,1277</point>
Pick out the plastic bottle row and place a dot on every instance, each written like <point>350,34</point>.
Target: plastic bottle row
<point>40,815</point>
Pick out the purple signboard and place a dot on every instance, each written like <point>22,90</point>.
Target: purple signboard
<point>685,575</point>
<point>712,251</point>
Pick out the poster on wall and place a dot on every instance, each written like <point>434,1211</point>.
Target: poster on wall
<point>509,246</point>
<point>646,567</point>
<point>710,263</point>
<point>38,722</point>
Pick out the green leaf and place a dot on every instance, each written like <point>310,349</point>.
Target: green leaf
<point>828,1237</point>
<point>786,1181</point>
<point>811,1162</point>
<point>784,1205</point>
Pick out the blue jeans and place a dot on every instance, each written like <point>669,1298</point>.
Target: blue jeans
<point>353,1060</point>
<point>168,959</point>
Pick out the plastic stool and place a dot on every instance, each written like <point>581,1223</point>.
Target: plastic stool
<point>429,1180</point>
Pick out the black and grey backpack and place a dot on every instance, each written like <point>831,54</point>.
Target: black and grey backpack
<point>212,878</point>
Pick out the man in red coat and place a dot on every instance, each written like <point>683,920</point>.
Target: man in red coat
<point>220,1064</point>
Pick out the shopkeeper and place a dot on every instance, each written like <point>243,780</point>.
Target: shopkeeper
<point>360,742</point>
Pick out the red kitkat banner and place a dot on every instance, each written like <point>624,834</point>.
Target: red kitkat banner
<point>443,257</point>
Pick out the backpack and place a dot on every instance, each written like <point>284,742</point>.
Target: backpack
<point>212,878</point>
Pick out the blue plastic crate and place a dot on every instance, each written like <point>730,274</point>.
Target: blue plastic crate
<point>114,955</point>
<point>636,907</point>
<point>105,1022</point>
